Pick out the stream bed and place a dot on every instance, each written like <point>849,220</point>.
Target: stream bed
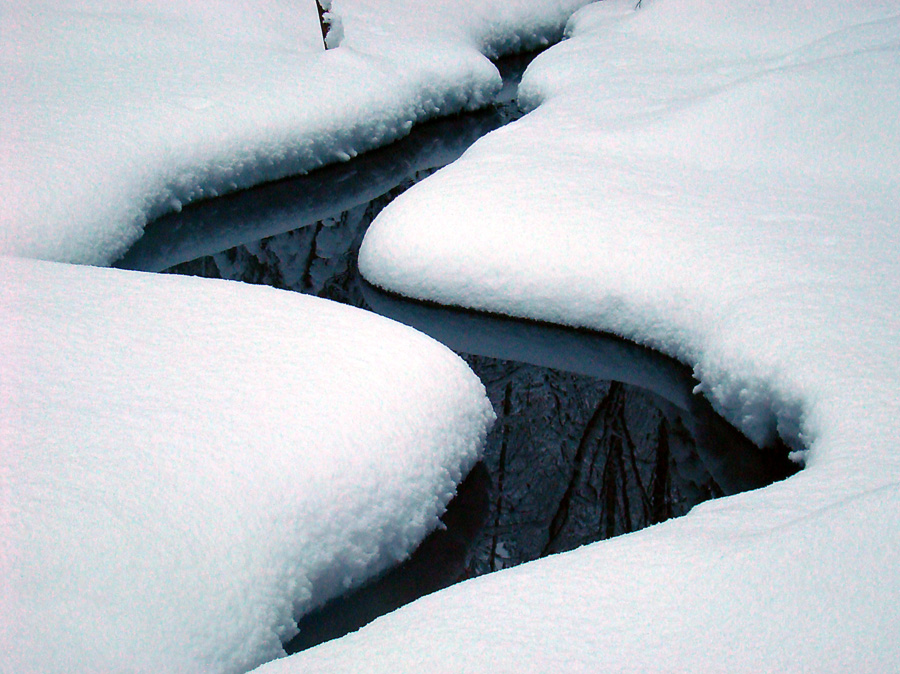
<point>595,436</point>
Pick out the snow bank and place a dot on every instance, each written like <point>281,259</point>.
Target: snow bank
<point>286,205</point>
<point>187,464</point>
<point>719,182</point>
<point>491,27</point>
<point>116,112</point>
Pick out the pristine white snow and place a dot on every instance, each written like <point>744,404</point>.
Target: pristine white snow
<point>287,205</point>
<point>717,180</point>
<point>116,112</point>
<point>186,463</point>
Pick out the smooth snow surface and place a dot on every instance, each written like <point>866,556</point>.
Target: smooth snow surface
<point>115,112</point>
<point>719,181</point>
<point>187,463</point>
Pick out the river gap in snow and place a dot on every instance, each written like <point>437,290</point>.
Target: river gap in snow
<point>595,436</point>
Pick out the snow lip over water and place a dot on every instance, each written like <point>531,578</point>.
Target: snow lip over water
<point>717,182</point>
<point>188,464</point>
<point>112,118</point>
<point>542,274</point>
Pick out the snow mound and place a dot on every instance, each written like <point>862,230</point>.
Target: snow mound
<point>718,182</point>
<point>491,27</point>
<point>186,465</point>
<point>117,112</point>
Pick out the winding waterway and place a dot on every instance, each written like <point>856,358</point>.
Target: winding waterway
<point>595,436</point>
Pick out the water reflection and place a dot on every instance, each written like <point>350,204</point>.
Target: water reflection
<point>595,436</point>
<point>576,456</point>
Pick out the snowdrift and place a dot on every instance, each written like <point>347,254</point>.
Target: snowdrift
<point>717,182</point>
<point>117,112</point>
<point>188,464</point>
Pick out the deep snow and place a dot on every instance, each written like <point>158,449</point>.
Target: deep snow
<point>715,180</point>
<point>187,464</point>
<point>719,182</point>
<point>116,112</point>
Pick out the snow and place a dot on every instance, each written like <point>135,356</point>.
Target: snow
<point>187,463</point>
<point>112,118</point>
<point>187,466</point>
<point>717,182</point>
<point>287,205</point>
<point>600,356</point>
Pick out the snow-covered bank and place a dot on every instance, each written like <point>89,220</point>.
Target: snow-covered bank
<point>714,179</point>
<point>717,181</point>
<point>186,463</point>
<point>275,208</point>
<point>116,112</point>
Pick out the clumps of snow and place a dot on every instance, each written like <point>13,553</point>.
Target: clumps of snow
<point>735,163</point>
<point>112,116</point>
<point>716,181</point>
<point>187,464</point>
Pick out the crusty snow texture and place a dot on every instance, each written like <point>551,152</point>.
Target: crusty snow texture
<point>187,463</point>
<point>718,180</point>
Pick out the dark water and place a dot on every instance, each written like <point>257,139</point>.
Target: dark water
<point>595,436</point>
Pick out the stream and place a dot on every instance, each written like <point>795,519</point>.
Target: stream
<point>595,436</point>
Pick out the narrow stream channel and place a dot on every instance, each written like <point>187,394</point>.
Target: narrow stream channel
<point>595,436</point>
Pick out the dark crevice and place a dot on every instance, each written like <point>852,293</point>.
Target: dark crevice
<point>501,473</point>
<point>323,24</point>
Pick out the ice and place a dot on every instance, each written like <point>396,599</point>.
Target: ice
<point>718,182</point>
<point>187,464</point>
